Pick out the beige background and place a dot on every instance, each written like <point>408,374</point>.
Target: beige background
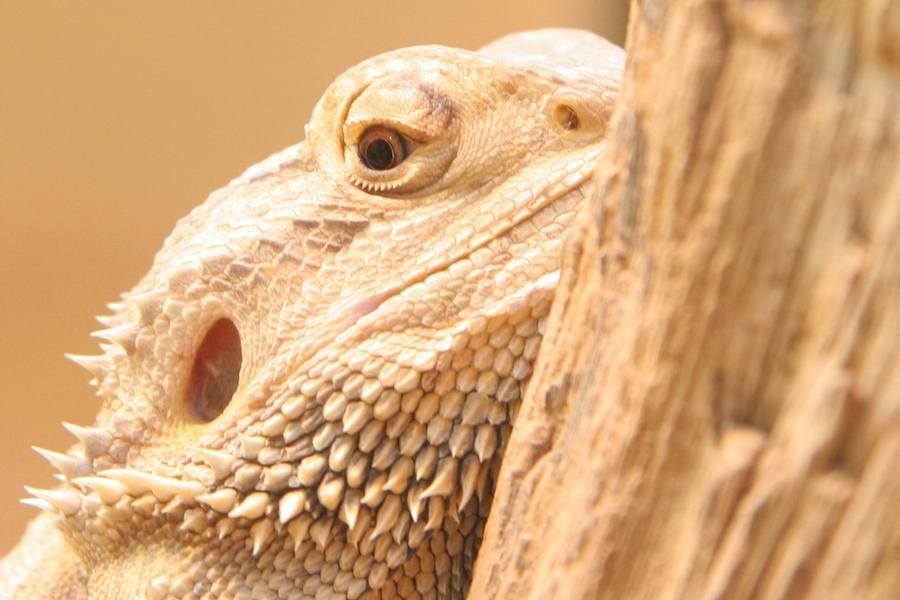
<point>116,119</point>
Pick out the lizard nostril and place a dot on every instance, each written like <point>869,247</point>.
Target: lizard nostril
<point>566,117</point>
<point>216,371</point>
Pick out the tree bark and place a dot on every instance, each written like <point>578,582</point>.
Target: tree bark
<point>716,410</point>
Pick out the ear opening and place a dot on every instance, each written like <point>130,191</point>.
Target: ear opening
<point>216,372</point>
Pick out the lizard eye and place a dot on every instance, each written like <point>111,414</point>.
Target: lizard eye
<point>399,137</point>
<point>387,160</point>
<point>381,148</point>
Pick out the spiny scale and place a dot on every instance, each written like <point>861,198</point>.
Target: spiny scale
<point>97,365</point>
<point>121,335</point>
<point>38,503</point>
<point>96,441</point>
<point>67,502</point>
<point>109,491</point>
<point>69,466</point>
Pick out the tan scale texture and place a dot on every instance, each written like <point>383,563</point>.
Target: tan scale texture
<point>117,119</point>
<point>388,318</point>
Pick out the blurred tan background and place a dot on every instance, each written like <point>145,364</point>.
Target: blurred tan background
<point>118,118</point>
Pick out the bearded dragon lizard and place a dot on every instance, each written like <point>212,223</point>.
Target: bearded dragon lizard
<point>308,394</point>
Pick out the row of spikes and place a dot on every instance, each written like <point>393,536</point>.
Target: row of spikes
<point>299,525</point>
<point>97,441</point>
<point>112,485</point>
<point>120,336</point>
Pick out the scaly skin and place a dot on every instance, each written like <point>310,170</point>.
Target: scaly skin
<point>309,393</point>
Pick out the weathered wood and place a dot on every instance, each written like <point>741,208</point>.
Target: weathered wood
<point>717,409</point>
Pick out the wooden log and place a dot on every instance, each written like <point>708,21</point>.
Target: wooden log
<point>716,411</point>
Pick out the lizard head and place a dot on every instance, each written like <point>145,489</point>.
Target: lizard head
<point>309,391</point>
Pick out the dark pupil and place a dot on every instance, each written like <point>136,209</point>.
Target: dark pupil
<point>379,155</point>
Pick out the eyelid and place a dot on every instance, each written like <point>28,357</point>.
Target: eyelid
<point>356,128</point>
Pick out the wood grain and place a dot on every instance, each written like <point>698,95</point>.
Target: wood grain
<point>716,412</point>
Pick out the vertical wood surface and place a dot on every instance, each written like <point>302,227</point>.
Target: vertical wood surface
<point>716,412</point>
